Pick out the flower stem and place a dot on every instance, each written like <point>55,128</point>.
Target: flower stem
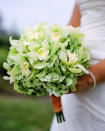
<point>60,117</point>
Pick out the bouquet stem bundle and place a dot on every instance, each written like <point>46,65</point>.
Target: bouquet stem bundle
<point>57,107</point>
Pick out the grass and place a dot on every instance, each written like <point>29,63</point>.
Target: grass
<point>18,114</point>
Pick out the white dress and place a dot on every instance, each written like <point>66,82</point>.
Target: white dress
<point>85,111</point>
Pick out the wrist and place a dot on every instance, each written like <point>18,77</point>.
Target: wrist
<point>91,79</point>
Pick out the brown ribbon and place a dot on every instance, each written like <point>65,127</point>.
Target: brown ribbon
<point>57,107</point>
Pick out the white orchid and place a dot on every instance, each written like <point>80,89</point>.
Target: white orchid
<point>72,58</point>
<point>17,44</point>
<point>32,57</point>
<point>32,36</point>
<point>8,78</point>
<point>55,36</point>
<point>25,69</point>
<point>30,33</point>
<point>63,56</point>
<point>26,43</point>
<point>42,54</point>
<point>45,45</point>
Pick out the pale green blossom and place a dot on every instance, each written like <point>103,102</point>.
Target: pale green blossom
<point>25,69</point>
<point>55,36</point>
<point>42,54</point>
<point>32,57</point>
<point>63,56</point>
<point>72,58</point>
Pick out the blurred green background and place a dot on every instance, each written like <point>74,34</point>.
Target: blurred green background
<point>18,112</point>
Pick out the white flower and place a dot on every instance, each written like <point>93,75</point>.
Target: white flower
<point>30,33</point>
<point>8,78</point>
<point>45,45</point>
<point>26,43</point>
<point>63,56</point>
<point>72,58</point>
<point>65,31</point>
<point>18,58</point>
<point>25,69</point>
<point>32,36</point>
<point>34,46</point>
<point>42,54</point>
<point>32,57</point>
<point>47,29</point>
<point>17,44</point>
<point>55,36</point>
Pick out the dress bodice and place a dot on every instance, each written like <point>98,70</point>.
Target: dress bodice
<point>93,13</point>
<point>93,25</point>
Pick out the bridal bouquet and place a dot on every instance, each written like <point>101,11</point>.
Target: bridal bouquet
<point>47,60</point>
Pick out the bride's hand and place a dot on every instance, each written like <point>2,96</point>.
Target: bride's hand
<point>86,81</point>
<point>83,83</point>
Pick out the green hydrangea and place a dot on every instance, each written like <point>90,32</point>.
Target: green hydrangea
<point>47,59</point>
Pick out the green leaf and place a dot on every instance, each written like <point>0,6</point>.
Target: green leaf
<point>75,70</point>
<point>40,65</point>
<point>19,88</point>
<point>68,82</point>
<point>15,71</point>
<point>73,89</point>
<point>41,74</point>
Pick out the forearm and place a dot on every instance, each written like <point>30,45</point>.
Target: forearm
<point>98,71</point>
<point>76,16</point>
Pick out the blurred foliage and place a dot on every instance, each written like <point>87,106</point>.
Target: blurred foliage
<point>4,48</point>
<point>4,40</point>
<point>25,115</point>
<point>3,56</point>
